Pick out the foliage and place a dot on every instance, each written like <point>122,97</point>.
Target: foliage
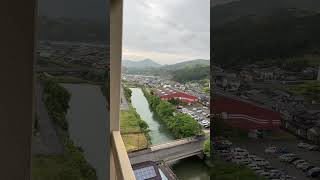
<point>134,131</point>
<point>206,148</point>
<point>127,93</point>
<point>73,163</point>
<point>191,73</point>
<point>284,34</point>
<point>180,125</point>
<point>310,90</point>
<point>176,102</point>
<point>57,102</point>
<point>221,128</point>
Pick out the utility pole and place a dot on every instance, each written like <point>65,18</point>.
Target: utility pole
<point>318,78</point>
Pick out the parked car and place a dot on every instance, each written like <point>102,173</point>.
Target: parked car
<point>303,145</point>
<point>287,157</point>
<point>302,165</point>
<point>226,142</point>
<point>313,148</point>
<point>261,162</point>
<point>314,172</point>
<point>240,160</point>
<point>271,149</point>
<point>298,161</point>
<point>239,151</point>
<point>283,150</point>
<point>306,169</point>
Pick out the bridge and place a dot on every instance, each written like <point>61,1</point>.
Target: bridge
<point>169,152</point>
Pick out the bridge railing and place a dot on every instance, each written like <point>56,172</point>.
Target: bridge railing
<point>173,143</point>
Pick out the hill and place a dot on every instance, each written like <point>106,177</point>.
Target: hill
<point>182,72</point>
<point>187,64</point>
<point>248,31</point>
<point>67,29</point>
<point>147,63</point>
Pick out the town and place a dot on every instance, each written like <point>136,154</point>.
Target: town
<point>276,105</point>
<point>191,94</point>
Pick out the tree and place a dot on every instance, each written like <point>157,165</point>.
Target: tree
<point>165,109</point>
<point>206,148</point>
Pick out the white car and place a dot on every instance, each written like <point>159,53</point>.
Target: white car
<point>287,157</point>
<point>254,166</point>
<point>259,171</point>
<point>239,152</point>
<point>261,162</point>
<point>240,160</point>
<point>271,149</point>
<point>252,157</point>
<point>226,142</point>
<point>298,162</point>
<point>303,165</point>
<point>303,145</point>
<point>265,174</point>
<point>312,147</point>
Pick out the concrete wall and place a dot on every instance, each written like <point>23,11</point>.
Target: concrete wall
<point>17,34</point>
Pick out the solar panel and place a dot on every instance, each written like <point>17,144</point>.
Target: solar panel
<point>145,173</point>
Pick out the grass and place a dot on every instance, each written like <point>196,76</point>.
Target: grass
<point>281,135</point>
<point>134,141</point>
<point>47,167</point>
<point>132,134</point>
<point>309,89</point>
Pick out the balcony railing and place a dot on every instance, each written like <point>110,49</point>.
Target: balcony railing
<point>123,169</point>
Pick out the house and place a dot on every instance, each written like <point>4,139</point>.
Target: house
<point>228,82</point>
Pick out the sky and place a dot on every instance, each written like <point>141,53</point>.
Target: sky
<point>166,31</point>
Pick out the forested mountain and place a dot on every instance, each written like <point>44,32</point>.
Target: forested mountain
<point>184,71</point>
<point>147,63</point>
<point>247,31</point>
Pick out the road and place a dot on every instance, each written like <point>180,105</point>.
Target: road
<point>176,152</point>
<point>257,147</point>
<point>124,103</point>
<point>48,141</point>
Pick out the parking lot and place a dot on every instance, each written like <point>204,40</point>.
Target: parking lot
<point>199,113</point>
<point>258,147</point>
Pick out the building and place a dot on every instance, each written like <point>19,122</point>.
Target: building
<point>246,115</point>
<point>167,94</point>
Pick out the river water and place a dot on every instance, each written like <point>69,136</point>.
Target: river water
<point>187,169</point>
<point>89,124</point>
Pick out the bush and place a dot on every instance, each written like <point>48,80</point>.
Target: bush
<point>180,125</point>
<point>56,100</point>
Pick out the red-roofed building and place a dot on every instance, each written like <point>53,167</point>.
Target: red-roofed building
<point>167,94</point>
<point>245,115</point>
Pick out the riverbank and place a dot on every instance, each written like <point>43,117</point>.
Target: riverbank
<point>179,124</point>
<point>134,131</point>
<point>72,164</point>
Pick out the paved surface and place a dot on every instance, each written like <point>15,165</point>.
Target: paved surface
<point>124,103</point>
<point>180,151</point>
<point>258,147</point>
<point>48,141</point>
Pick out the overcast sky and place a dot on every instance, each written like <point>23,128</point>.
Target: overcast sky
<point>166,31</point>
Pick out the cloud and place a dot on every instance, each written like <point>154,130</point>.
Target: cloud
<point>166,31</point>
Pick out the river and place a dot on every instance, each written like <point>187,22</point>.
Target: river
<point>88,114</point>
<point>187,169</point>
